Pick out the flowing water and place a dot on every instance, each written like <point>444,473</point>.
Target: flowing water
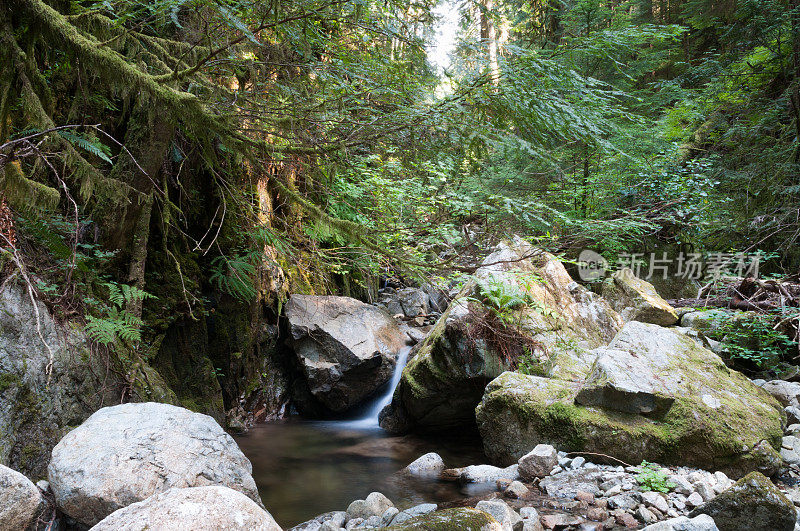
<point>305,468</point>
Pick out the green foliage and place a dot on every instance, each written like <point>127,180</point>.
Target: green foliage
<point>235,275</point>
<point>114,323</point>
<point>753,339</point>
<point>652,478</point>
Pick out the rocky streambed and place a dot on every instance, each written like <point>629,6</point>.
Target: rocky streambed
<point>547,425</point>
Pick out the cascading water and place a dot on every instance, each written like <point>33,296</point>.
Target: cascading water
<point>370,418</point>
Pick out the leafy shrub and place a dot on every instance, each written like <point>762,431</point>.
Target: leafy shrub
<point>753,339</point>
<point>652,478</point>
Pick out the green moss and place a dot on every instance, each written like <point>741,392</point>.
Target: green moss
<point>461,519</point>
<point>7,380</point>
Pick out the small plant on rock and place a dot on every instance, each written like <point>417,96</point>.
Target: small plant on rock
<point>652,478</point>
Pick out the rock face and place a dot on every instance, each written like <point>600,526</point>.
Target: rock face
<point>20,501</point>
<point>465,519</point>
<point>409,302</point>
<point>753,502</point>
<point>448,371</point>
<point>538,462</point>
<point>124,454</point>
<point>346,348</point>
<point>192,509</point>
<point>637,300</point>
<point>35,411</point>
<point>652,394</point>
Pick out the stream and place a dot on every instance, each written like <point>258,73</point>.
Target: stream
<point>304,468</point>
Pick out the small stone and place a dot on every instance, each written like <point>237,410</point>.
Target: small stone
<point>622,501</point>
<point>43,485</point>
<point>373,521</point>
<point>389,514</point>
<point>644,515</point>
<point>556,470</point>
<point>529,512</point>
<point>500,511</point>
<point>705,490</point>
<point>516,490</point>
<point>375,505</point>
<point>428,464</point>
<point>584,496</point>
<point>559,521</point>
<point>654,499</point>
<point>682,485</point>
<point>539,462</point>
<point>615,490</point>
<point>694,499</point>
<point>597,514</point>
<point>627,520</point>
<point>503,483</point>
<point>532,525</point>
<point>353,523</point>
<point>577,462</point>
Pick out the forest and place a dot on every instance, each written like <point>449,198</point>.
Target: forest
<point>193,193</point>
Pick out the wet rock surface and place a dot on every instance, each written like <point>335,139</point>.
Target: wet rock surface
<point>346,349</point>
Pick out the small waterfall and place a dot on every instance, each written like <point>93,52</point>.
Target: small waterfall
<point>370,418</point>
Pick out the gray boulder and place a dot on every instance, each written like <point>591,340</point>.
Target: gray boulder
<point>21,502</point>
<point>637,300</point>
<point>653,394</point>
<point>500,511</point>
<point>538,462</point>
<point>346,348</point>
<point>193,509</point>
<point>428,464</point>
<point>753,502</point>
<point>375,505</point>
<point>701,522</point>
<point>124,454</point>
<point>410,302</point>
<point>487,473</point>
<point>787,393</point>
<point>448,371</point>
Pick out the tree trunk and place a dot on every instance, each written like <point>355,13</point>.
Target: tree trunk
<point>148,138</point>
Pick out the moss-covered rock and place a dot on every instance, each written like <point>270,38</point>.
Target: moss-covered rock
<point>37,408</point>
<point>702,413</point>
<point>753,502</point>
<point>461,519</point>
<point>449,370</point>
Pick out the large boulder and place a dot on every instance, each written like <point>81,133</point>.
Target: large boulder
<point>347,349</point>
<point>448,371</point>
<point>50,380</point>
<point>652,394</point>
<point>194,509</point>
<point>21,502</point>
<point>637,300</point>
<point>753,502</point>
<point>126,453</point>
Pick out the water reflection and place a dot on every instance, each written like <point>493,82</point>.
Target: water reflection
<point>305,468</point>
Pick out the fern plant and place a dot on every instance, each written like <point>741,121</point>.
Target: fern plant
<point>115,323</point>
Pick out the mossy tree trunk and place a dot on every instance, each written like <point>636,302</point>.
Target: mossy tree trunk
<point>148,138</point>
